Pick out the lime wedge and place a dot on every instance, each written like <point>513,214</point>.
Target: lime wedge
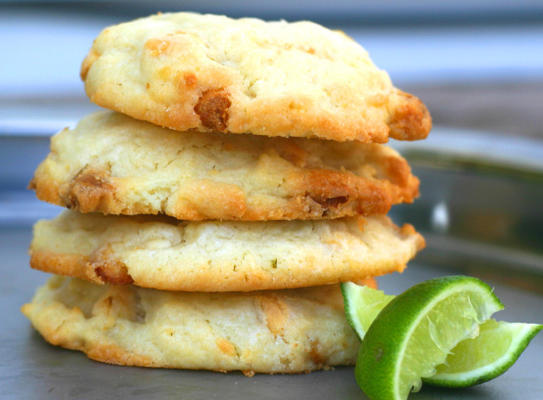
<point>416,331</point>
<point>362,304</point>
<point>483,358</point>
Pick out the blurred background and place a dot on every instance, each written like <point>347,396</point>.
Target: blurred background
<point>478,65</point>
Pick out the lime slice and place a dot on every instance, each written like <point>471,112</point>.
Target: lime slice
<point>416,331</point>
<point>483,358</point>
<point>362,304</point>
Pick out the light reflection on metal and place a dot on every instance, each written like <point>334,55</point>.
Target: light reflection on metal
<point>440,217</point>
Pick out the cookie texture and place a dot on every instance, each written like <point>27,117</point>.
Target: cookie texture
<point>163,253</point>
<point>114,164</point>
<point>207,72</point>
<point>270,332</point>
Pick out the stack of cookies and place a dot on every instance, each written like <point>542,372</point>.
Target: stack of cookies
<point>240,177</point>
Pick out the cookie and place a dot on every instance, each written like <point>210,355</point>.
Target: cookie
<point>207,72</point>
<point>114,164</point>
<point>270,332</point>
<point>163,253</point>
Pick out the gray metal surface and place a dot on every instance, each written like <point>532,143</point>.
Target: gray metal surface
<point>481,217</point>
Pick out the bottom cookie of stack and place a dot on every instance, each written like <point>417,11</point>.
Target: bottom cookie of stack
<point>277,331</point>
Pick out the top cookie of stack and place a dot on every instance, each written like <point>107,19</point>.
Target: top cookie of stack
<point>206,72</point>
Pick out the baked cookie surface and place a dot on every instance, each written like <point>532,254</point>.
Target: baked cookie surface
<point>163,253</point>
<point>114,164</point>
<point>269,332</point>
<point>207,72</point>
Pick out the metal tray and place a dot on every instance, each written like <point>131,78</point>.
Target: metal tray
<point>480,210</point>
